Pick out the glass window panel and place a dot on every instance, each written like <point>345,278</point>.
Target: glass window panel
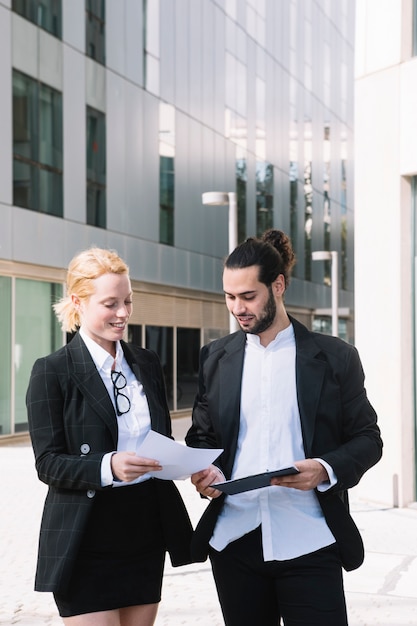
<point>160,339</point>
<point>96,146</point>
<point>45,13</point>
<point>95,30</point>
<point>50,192</point>
<point>96,206</point>
<point>96,168</point>
<point>25,185</point>
<point>37,333</point>
<point>50,127</point>
<point>25,96</point>
<point>188,349</point>
<point>134,334</point>
<point>6,354</point>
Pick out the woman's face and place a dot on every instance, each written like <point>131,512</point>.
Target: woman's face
<point>104,315</point>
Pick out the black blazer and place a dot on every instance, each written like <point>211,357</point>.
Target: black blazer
<point>72,424</point>
<point>338,424</point>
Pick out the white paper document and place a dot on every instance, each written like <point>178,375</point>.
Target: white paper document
<point>178,460</point>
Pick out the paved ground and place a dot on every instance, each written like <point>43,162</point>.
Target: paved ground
<point>382,592</point>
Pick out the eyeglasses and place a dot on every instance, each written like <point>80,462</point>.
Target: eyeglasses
<point>122,401</point>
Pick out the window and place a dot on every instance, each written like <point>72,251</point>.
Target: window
<point>44,13</point>
<point>37,146</point>
<point>166,173</point>
<point>96,168</point>
<point>95,30</point>
<point>160,340</point>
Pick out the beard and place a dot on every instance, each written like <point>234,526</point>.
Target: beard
<point>266,318</point>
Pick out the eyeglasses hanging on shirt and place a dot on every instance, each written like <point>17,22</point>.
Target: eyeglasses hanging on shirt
<point>122,401</point>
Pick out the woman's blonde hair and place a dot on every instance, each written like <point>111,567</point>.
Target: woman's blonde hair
<point>82,270</point>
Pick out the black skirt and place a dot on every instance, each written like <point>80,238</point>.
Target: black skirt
<point>121,559</point>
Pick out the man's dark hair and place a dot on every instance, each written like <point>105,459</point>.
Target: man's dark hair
<point>272,253</point>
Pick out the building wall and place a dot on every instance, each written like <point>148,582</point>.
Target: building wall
<point>385,162</point>
<point>296,58</point>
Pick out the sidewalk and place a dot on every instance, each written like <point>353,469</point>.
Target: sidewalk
<point>382,592</point>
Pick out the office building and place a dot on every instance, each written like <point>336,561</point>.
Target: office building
<point>117,115</point>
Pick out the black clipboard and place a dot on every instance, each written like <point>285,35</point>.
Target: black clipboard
<point>256,481</point>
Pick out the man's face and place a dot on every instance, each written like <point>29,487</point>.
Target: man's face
<point>251,302</point>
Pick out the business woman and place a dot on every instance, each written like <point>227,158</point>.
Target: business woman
<point>107,523</point>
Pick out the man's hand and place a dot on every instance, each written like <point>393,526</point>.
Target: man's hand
<point>202,481</point>
<point>311,474</point>
<point>126,466</point>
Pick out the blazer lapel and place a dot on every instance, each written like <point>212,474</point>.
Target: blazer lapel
<point>90,384</point>
<point>230,374</point>
<point>310,373</point>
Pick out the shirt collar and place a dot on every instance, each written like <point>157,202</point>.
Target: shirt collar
<point>102,359</point>
<point>283,336</point>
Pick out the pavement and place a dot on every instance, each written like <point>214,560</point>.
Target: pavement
<point>382,592</point>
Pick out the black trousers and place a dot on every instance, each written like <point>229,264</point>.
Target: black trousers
<point>306,591</point>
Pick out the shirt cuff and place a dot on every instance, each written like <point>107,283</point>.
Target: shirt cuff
<point>325,486</point>
<point>106,473</point>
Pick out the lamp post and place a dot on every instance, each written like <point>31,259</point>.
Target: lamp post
<point>216,198</point>
<point>325,255</point>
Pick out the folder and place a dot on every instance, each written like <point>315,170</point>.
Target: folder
<point>256,481</point>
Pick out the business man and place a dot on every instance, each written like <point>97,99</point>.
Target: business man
<point>273,396</point>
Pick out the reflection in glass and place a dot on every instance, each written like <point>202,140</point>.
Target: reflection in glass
<point>241,182</point>
<point>293,173</point>
<point>327,219</point>
<point>166,173</point>
<point>308,218</point>
<point>96,168</point>
<point>264,196</point>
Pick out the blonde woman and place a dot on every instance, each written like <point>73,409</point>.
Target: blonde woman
<point>106,524</point>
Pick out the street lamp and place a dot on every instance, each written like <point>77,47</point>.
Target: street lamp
<point>325,255</point>
<point>216,198</point>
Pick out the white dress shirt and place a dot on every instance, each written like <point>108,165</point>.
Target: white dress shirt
<point>134,425</point>
<point>270,438</point>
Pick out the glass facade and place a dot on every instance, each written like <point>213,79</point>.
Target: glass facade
<point>37,146</point>
<point>162,116</point>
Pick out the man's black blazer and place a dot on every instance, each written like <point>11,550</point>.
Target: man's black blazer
<point>338,424</point>
<point>72,424</point>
